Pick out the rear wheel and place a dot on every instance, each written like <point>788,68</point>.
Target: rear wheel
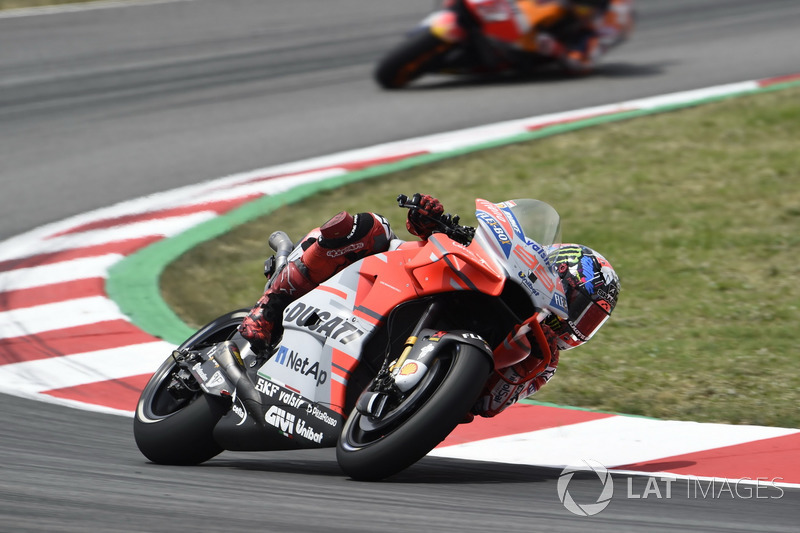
<point>413,58</point>
<point>372,449</point>
<point>174,419</point>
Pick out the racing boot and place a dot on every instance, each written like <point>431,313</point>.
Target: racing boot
<point>258,326</point>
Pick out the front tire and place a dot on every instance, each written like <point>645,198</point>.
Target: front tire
<point>413,58</point>
<point>180,431</point>
<point>438,405</point>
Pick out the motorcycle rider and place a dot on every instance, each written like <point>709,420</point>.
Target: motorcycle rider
<point>583,31</point>
<point>591,287</point>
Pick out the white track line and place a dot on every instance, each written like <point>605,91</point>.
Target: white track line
<point>158,227</point>
<point>32,277</point>
<point>613,441</point>
<point>55,316</point>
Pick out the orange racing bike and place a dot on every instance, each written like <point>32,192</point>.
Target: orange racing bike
<point>474,37</point>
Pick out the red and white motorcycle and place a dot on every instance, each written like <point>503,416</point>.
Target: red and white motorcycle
<point>383,360</point>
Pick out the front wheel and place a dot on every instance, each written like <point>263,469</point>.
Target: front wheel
<point>174,419</point>
<point>413,58</point>
<point>371,449</point>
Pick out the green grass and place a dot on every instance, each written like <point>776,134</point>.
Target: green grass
<point>698,210</point>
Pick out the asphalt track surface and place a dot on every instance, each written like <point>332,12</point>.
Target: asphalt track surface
<point>105,105</point>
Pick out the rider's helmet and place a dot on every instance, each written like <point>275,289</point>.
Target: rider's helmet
<point>591,287</point>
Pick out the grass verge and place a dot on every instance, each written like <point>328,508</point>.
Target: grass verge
<point>699,212</point>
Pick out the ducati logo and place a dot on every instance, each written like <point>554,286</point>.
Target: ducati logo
<point>323,322</point>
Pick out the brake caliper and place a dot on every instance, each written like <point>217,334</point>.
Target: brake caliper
<point>183,385</point>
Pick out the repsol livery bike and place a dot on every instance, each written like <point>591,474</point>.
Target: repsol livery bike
<point>383,360</point>
<point>471,37</point>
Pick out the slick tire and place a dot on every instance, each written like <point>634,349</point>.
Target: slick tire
<point>410,60</point>
<point>181,432</point>
<point>453,389</point>
<point>184,437</point>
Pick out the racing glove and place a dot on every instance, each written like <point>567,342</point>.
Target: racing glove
<point>421,217</point>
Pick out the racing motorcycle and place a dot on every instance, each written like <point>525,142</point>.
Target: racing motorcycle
<point>473,37</point>
<point>383,360</point>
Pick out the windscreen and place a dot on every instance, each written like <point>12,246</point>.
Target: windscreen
<point>538,220</point>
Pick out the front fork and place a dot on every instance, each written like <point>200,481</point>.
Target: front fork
<point>429,317</point>
<point>398,379</point>
<point>384,388</point>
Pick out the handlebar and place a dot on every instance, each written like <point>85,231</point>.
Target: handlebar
<point>447,223</point>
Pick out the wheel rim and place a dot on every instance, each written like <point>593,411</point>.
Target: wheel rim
<point>162,404</point>
<point>362,431</point>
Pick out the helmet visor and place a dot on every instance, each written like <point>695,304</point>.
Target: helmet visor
<point>585,315</point>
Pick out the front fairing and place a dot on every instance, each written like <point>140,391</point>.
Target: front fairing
<point>518,234</point>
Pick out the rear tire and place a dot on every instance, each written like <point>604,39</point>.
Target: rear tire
<point>410,60</point>
<point>447,394</point>
<point>180,432</point>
